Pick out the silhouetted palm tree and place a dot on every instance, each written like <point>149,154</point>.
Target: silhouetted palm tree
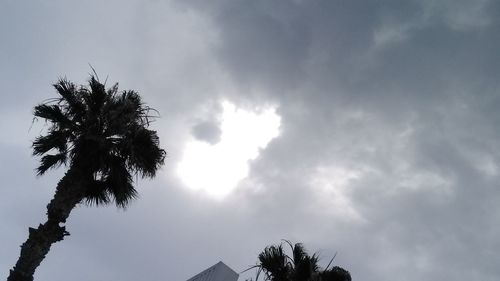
<point>276,265</point>
<point>102,136</point>
<point>335,273</point>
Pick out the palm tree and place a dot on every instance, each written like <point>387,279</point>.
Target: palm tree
<point>276,265</point>
<point>102,136</point>
<point>336,273</point>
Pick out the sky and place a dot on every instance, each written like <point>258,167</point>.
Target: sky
<point>363,128</point>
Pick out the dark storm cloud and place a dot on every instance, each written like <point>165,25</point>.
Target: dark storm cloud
<point>400,92</point>
<point>397,50</point>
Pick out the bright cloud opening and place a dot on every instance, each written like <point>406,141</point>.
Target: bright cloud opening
<point>217,169</point>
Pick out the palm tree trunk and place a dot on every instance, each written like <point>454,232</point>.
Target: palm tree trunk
<point>69,192</point>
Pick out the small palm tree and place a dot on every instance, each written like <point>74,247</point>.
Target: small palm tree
<point>102,136</point>
<point>335,273</point>
<point>276,265</point>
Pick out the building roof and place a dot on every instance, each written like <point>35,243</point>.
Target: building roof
<point>217,272</point>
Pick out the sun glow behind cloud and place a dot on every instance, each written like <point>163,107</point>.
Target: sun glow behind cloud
<point>218,168</point>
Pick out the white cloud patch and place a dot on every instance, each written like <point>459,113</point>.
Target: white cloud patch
<point>218,168</point>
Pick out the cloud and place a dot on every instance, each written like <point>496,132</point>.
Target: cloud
<point>461,15</point>
<point>388,92</point>
<point>388,148</point>
<point>207,131</point>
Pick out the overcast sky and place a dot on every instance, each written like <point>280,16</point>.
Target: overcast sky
<point>388,150</point>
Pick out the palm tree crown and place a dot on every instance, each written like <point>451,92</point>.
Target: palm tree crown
<point>104,134</point>
<point>300,266</point>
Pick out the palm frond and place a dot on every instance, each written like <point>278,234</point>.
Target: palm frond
<point>299,253</point>
<point>72,99</point>
<point>336,273</point>
<point>331,260</point>
<point>55,139</point>
<point>274,263</point>
<point>119,182</point>
<point>305,266</point>
<point>97,193</point>
<point>146,156</point>
<point>94,96</point>
<point>52,113</point>
<point>111,92</point>
<point>50,161</point>
<point>122,195</point>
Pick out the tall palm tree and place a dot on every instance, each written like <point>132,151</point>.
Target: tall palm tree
<point>276,265</point>
<point>102,136</point>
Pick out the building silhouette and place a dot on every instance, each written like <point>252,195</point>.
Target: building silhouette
<point>217,272</point>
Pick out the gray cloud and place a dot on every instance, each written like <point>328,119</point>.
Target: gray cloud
<point>207,131</point>
<point>389,146</point>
